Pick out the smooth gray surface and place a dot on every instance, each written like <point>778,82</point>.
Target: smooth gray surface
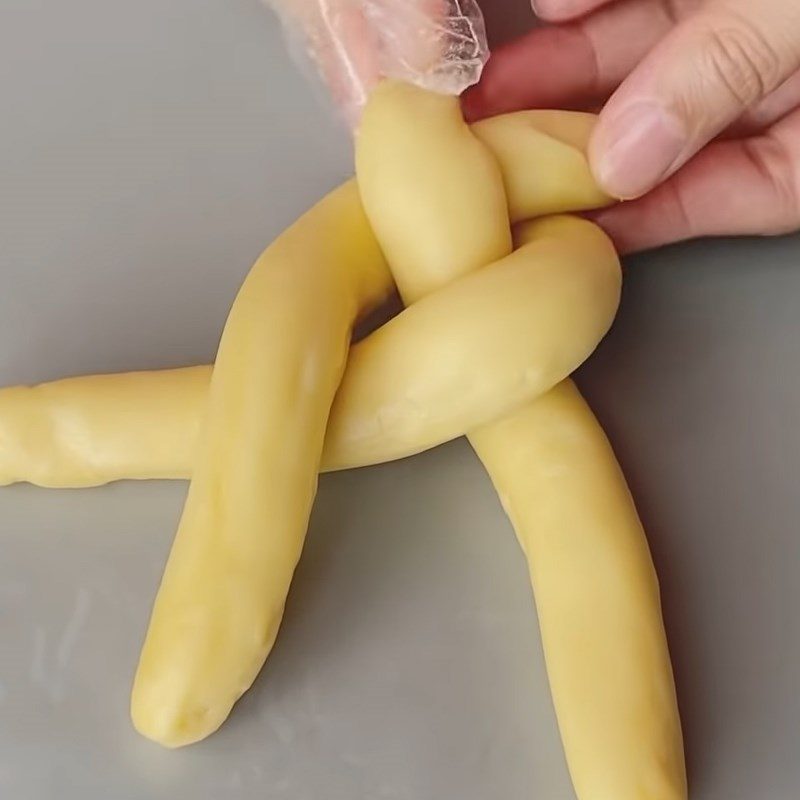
<point>147,152</point>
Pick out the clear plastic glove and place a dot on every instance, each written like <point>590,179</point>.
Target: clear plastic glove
<point>437,44</point>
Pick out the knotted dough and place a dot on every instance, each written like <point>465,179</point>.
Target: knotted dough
<point>496,319</point>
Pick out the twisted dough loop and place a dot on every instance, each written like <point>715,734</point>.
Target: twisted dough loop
<point>472,353</point>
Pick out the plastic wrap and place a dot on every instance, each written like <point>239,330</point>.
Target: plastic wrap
<point>437,44</point>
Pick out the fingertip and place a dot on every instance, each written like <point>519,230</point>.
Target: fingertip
<point>547,10</point>
<point>472,104</point>
<point>490,96</point>
<point>545,68</point>
<point>614,222</point>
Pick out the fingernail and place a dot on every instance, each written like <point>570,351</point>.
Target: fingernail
<point>556,9</point>
<point>635,149</point>
<point>541,8</point>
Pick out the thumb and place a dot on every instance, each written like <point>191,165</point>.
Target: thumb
<point>714,65</point>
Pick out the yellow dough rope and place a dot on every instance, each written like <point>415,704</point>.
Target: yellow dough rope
<point>596,590</point>
<point>486,333</point>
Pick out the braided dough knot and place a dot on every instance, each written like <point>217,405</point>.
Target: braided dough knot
<point>494,324</point>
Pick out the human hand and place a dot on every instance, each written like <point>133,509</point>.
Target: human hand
<point>679,74</point>
<point>437,44</point>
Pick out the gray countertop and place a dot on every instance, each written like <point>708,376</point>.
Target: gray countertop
<point>148,151</point>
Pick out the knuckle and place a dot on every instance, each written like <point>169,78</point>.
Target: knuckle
<point>741,60</point>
